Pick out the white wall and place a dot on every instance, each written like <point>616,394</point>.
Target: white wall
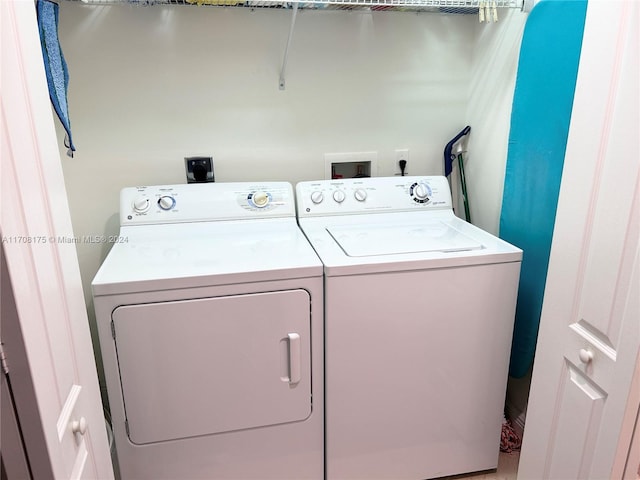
<point>151,85</point>
<point>495,61</point>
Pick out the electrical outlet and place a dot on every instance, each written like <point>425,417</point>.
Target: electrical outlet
<point>401,154</point>
<point>199,169</point>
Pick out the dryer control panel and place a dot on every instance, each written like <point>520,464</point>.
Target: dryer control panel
<point>201,202</point>
<point>370,195</point>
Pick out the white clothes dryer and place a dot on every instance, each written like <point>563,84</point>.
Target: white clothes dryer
<point>419,311</point>
<point>209,311</point>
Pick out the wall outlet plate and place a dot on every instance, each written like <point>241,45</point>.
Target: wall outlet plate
<point>401,154</point>
<point>199,169</point>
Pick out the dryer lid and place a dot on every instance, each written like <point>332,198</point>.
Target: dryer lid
<point>393,239</point>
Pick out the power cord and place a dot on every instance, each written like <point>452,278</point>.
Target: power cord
<point>403,165</point>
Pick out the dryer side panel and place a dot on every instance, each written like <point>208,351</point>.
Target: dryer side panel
<point>206,366</point>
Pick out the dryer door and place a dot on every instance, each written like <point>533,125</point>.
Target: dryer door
<point>205,366</point>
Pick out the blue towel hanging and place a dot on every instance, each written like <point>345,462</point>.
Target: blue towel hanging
<point>55,65</point>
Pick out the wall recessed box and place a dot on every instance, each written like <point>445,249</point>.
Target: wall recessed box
<point>199,169</point>
<point>350,165</point>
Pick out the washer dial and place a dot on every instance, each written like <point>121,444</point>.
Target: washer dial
<point>420,192</point>
<point>317,197</point>
<point>360,194</point>
<point>339,196</point>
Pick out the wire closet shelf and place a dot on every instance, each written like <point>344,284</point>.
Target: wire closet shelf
<point>487,10</point>
<point>436,6</point>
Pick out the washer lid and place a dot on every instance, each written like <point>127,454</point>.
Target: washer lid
<point>373,240</point>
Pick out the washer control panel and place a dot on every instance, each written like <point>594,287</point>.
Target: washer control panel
<point>197,202</point>
<point>368,195</point>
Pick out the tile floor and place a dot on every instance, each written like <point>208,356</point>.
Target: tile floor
<point>507,469</point>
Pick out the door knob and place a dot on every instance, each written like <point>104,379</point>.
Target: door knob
<point>586,356</point>
<point>79,426</point>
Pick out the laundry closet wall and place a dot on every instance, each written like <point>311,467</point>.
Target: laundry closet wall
<point>151,85</point>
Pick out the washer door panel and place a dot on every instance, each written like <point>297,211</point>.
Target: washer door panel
<point>206,366</point>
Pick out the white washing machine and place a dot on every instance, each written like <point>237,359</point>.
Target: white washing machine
<point>419,310</point>
<point>209,311</point>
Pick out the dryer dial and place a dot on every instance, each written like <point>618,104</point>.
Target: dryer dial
<point>260,199</point>
<point>141,204</point>
<point>166,202</point>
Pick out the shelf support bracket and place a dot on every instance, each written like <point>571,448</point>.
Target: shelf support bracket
<point>286,50</point>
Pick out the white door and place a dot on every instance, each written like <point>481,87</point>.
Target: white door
<point>60,411</point>
<point>590,326</point>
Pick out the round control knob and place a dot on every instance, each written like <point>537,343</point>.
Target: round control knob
<point>339,196</point>
<point>317,197</point>
<point>260,199</point>
<point>360,195</point>
<point>141,204</point>
<point>420,191</point>
<point>167,202</point>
